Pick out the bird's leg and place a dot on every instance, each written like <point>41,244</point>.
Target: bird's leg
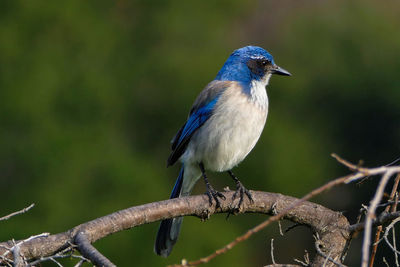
<point>241,190</point>
<point>211,192</point>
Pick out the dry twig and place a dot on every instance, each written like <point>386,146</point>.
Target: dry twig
<point>380,228</point>
<point>17,212</point>
<point>371,216</point>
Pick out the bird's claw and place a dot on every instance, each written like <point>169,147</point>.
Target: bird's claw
<point>214,194</point>
<point>241,191</point>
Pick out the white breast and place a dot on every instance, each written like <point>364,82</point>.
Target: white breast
<point>232,131</point>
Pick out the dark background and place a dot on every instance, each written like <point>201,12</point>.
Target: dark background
<point>91,93</point>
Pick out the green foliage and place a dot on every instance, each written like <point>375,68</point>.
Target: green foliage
<point>93,91</point>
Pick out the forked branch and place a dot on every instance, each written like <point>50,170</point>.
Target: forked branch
<point>329,225</point>
<point>331,228</point>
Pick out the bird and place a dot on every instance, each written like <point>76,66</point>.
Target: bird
<point>223,126</point>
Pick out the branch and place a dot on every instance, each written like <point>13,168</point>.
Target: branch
<point>17,212</point>
<point>382,219</point>
<point>90,252</point>
<point>331,228</point>
<point>329,225</point>
<point>360,172</point>
<point>387,172</point>
<point>393,195</point>
<point>371,215</point>
<point>282,214</point>
<point>283,265</point>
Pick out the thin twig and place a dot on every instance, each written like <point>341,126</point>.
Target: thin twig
<point>302,263</point>
<point>306,262</point>
<point>385,236</point>
<point>17,212</point>
<point>292,227</point>
<point>385,262</point>
<point>58,256</point>
<point>394,246</point>
<point>352,235</point>
<point>393,162</point>
<point>380,228</point>
<point>280,228</point>
<point>6,261</point>
<point>79,264</point>
<point>393,209</point>
<point>383,219</point>
<point>370,216</point>
<point>66,253</point>
<point>55,261</point>
<point>349,165</point>
<point>363,172</point>
<point>272,251</point>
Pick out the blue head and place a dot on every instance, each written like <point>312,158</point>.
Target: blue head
<point>247,64</point>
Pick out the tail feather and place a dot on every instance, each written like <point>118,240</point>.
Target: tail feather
<point>167,236</point>
<point>168,231</point>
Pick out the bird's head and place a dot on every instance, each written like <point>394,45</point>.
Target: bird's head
<point>250,63</point>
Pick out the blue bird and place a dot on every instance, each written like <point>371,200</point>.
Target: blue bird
<point>224,124</point>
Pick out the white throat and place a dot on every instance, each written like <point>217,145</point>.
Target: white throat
<point>258,92</point>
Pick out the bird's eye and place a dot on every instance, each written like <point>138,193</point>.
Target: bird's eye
<point>264,62</point>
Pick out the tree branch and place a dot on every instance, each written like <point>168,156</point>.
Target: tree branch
<point>90,252</point>
<point>330,226</point>
<point>382,219</point>
<point>331,229</point>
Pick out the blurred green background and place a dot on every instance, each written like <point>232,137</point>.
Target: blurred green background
<point>91,93</point>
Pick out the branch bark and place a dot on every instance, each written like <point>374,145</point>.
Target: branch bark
<point>331,227</point>
<point>90,252</point>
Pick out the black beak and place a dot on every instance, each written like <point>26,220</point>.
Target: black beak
<point>278,70</point>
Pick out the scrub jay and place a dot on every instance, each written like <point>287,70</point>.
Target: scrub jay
<point>224,124</point>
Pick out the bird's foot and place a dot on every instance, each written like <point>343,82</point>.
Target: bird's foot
<point>241,191</point>
<point>214,195</point>
<point>211,192</point>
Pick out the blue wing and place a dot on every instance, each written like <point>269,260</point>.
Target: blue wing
<point>199,114</point>
<point>195,121</point>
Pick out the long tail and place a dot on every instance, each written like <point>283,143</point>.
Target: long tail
<point>169,229</point>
